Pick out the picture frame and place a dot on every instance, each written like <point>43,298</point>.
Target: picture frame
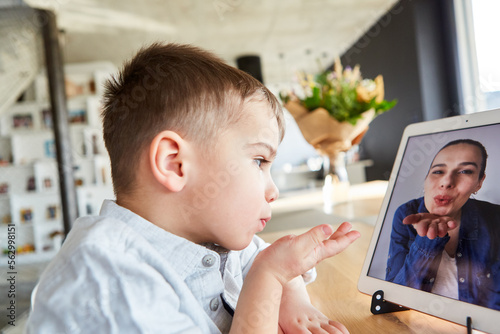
<point>93,142</point>
<point>77,116</point>
<point>47,122</point>
<point>6,219</point>
<point>4,188</point>
<point>50,148</point>
<point>22,121</point>
<point>30,184</point>
<point>79,84</point>
<point>52,212</point>
<point>47,183</point>
<point>26,215</point>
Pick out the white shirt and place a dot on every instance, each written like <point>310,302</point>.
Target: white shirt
<point>119,273</point>
<point>446,283</point>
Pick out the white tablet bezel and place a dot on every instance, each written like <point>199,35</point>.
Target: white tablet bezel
<point>483,319</point>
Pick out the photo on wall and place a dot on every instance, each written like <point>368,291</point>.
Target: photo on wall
<point>77,116</point>
<point>47,118</point>
<point>52,212</point>
<point>50,148</point>
<point>22,121</point>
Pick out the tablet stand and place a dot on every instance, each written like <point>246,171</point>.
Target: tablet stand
<point>469,325</point>
<point>381,306</point>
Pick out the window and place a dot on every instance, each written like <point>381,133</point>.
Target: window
<point>479,53</point>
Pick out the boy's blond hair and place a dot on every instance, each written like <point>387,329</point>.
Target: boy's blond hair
<point>172,87</point>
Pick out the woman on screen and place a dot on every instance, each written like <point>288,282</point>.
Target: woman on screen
<point>446,242</point>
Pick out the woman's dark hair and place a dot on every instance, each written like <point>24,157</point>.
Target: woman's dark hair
<point>484,154</point>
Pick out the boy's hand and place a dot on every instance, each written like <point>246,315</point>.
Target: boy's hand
<point>430,225</point>
<point>310,320</point>
<point>292,255</point>
<point>298,315</point>
<point>264,290</point>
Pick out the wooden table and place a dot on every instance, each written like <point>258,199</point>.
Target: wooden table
<point>335,290</point>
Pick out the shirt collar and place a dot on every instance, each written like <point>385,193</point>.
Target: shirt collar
<point>185,256</point>
<point>470,214</point>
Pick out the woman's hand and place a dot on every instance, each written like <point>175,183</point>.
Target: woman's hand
<point>430,225</point>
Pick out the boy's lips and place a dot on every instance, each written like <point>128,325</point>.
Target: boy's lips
<point>442,200</point>
<point>264,221</point>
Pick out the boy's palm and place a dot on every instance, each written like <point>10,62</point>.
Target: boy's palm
<point>293,255</point>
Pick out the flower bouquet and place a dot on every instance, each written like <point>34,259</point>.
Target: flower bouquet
<point>334,109</point>
<point>333,112</point>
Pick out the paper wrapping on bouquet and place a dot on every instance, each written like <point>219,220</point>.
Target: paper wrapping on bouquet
<point>326,134</point>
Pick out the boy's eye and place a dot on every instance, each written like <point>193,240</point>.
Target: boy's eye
<point>466,171</point>
<point>437,172</point>
<point>261,161</point>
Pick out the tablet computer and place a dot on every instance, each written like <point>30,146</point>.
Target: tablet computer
<point>447,172</point>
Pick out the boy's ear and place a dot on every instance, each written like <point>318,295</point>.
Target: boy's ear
<point>167,158</point>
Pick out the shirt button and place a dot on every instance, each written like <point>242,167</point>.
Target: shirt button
<point>459,254</point>
<point>431,280</point>
<point>462,279</point>
<point>214,304</point>
<point>488,275</point>
<point>208,260</point>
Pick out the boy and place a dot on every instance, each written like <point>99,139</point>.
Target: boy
<point>191,141</point>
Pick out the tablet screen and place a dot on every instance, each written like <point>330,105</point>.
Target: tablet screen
<point>454,174</point>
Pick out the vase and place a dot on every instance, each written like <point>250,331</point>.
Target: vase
<point>331,139</point>
<point>335,166</point>
<point>336,181</point>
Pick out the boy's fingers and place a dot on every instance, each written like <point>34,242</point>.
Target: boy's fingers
<point>339,241</point>
<point>320,241</point>
<point>327,230</point>
<point>341,230</point>
<point>315,236</point>
<point>337,245</point>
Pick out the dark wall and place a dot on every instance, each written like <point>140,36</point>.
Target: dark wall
<point>412,46</point>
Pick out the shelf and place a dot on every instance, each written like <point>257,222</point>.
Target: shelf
<point>16,166</point>
<point>27,154</point>
<point>18,225</point>
<point>35,194</point>
<point>28,258</point>
<point>49,224</point>
<point>30,132</point>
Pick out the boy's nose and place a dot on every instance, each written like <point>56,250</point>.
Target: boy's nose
<point>272,192</point>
